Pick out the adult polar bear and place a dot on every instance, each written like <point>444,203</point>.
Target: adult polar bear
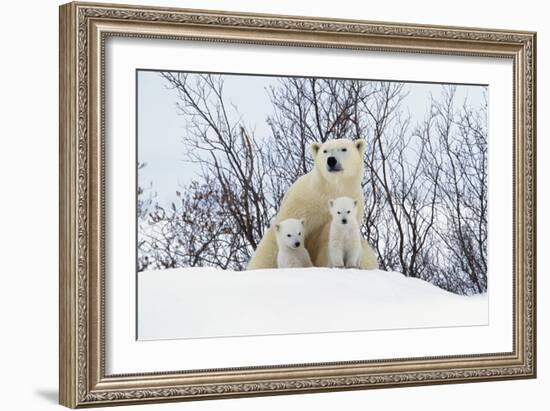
<point>337,172</point>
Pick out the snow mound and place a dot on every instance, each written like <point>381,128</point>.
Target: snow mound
<point>208,302</point>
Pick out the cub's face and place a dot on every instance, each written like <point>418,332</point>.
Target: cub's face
<point>343,209</point>
<point>339,158</point>
<point>290,233</point>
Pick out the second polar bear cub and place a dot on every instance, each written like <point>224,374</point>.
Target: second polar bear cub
<point>344,244</point>
<point>290,242</point>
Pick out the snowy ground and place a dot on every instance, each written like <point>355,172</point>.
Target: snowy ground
<point>194,303</point>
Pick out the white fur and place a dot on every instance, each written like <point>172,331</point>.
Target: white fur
<point>291,253</point>
<point>308,198</point>
<point>344,246</point>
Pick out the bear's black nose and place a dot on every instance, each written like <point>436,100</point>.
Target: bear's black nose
<point>297,244</point>
<point>344,221</point>
<point>331,162</point>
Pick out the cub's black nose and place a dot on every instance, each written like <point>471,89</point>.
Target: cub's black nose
<point>344,221</point>
<point>297,244</point>
<point>331,162</point>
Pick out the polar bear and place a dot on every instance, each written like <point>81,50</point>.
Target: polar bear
<point>344,241</point>
<point>291,251</point>
<point>337,172</point>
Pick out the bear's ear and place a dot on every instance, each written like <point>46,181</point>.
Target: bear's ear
<point>314,148</point>
<point>277,227</point>
<point>360,145</point>
<point>330,203</point>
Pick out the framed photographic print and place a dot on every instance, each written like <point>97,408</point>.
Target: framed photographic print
<point>258,204</point>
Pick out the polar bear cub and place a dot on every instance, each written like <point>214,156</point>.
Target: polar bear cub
<point>290,242</point>
<point>344,244</point>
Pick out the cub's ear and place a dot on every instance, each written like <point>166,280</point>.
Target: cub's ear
<point>360,145</point>
<point>314,149</point>
<point>277,227</point>
<point>302,221</point>
<point>330,203</point>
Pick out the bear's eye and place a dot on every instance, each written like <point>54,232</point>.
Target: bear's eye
<point>299,233</point>
<point>348,211</point>
<point>325,151</point>
<point>288,235</point>
<point>339,212</point>
<point>344,149</point>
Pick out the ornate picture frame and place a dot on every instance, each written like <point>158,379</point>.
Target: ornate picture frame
<point>84,29</point>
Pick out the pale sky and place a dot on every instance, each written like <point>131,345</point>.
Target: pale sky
<point>160,128</point>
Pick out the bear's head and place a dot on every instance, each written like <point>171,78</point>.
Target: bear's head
<point>343,210</point>
<point>290,233</point>
<point>339,158</point>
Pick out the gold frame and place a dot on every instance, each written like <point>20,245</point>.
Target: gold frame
<point>83,30</point>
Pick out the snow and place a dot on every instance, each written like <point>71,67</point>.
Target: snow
<point>209,302</point>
